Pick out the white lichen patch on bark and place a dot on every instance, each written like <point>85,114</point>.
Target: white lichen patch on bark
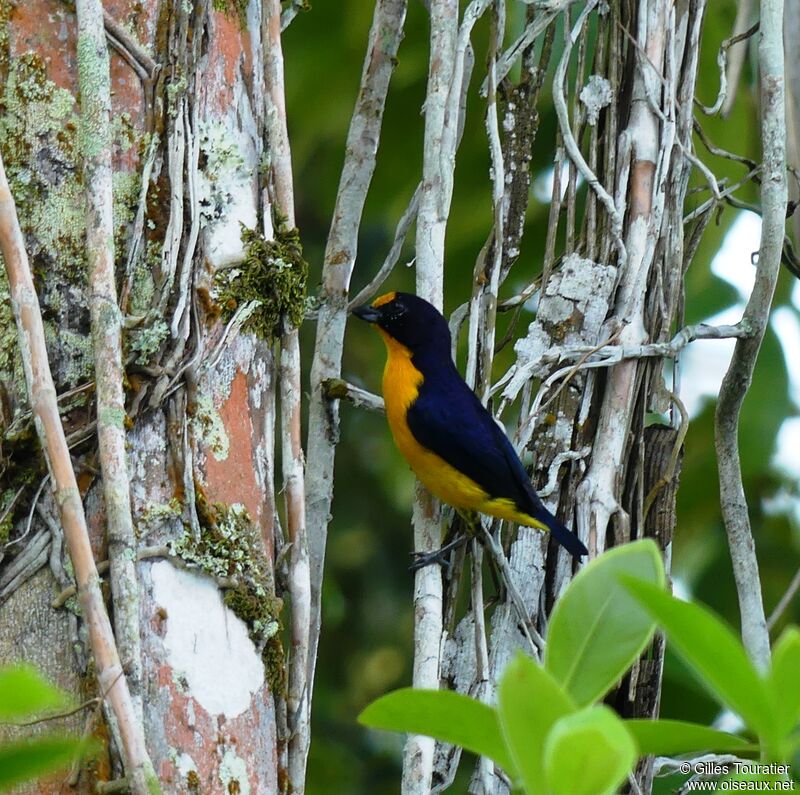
<point>225,189</point>
<point>595,96</point>
<point>205,642</point>
<point>238,357</point>
<point>184,764</point>
<point>233,774</point>
<point>576,301</point>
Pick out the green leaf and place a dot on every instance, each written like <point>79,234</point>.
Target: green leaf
<point>713,652</point>
<point>588,753</point>
<point>671,737</point>
<point>597,628</point>
<point>445,715</point>
<point>29,759</point>
<point>530,701</point>
<point>24,692</point>
<point>785,680</point>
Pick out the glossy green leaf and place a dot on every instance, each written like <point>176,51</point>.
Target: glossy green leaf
<point>670,737</point>
<point>597,628</point>
<point>30,759</point>
<point>530,701</point>
<point>713,652</point>
<point>785,680</point>
<point>588,753</point>
<point>23,692</point>
<point>442,714</point>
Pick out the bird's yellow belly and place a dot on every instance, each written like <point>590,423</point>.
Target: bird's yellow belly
<point>401,384</point>
<point>441,479</point>
<point>450,485</point>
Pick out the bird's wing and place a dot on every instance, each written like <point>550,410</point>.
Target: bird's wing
<point>450,421</point>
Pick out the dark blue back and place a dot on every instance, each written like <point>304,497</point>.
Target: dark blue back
<point>448,419</point>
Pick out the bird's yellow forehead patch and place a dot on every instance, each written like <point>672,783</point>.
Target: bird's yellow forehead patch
<point>384,299</point>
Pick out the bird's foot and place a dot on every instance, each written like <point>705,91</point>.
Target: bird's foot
<point>438,556</point>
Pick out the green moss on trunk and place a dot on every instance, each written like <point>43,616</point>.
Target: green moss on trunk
<point>274,274</point>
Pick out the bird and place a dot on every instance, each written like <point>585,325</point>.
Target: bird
<point>454,445</point>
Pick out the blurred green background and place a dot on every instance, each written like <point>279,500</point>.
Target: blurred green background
<point>366,643</point>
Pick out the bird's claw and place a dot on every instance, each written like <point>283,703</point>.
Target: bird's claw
<point>438,556</point>
<point>423,559</point>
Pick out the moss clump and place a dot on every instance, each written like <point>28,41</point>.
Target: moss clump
<point>274,274</point>
<point>230,546</point>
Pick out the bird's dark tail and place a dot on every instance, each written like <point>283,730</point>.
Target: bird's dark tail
<point>565,537</point>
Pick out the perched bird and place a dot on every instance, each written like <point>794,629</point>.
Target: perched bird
<point>453,444</point>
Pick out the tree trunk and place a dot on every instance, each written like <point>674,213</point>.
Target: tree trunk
<point>188,126</point>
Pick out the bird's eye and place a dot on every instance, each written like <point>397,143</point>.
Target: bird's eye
<point>397,311</point>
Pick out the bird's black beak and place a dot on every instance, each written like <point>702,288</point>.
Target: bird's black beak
<point>368,313</point>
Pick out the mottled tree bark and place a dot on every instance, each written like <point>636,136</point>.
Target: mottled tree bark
<point>187,137</point>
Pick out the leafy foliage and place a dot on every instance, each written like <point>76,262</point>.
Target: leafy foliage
<point>597,629</point>
<point>24,693</point>
<point>555,737</point>
<point>589,752</point>
<point>768,703</point>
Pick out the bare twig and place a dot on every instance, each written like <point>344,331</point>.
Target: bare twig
<point>29,523</point>
<point>571,145</point>
<point>744,13</point>
<point>340,255</point>
<point>722,64</point>
<point>337,389</point>
<point>298,695</point>
<point>291,11</point>
<point>95,86</point>
<point>88,731</point>
<point>535,640</point>
<point>136,55</point>
<point>673,459</point>
<point>42,396</point>
<point>484,686</point>
<point>483,307</point>
<point>438,163</point>
<point>785,601</point>
<point>403,225</point>
<point>27,562</point>
<point>514,52</point>
<point>756,315</point>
